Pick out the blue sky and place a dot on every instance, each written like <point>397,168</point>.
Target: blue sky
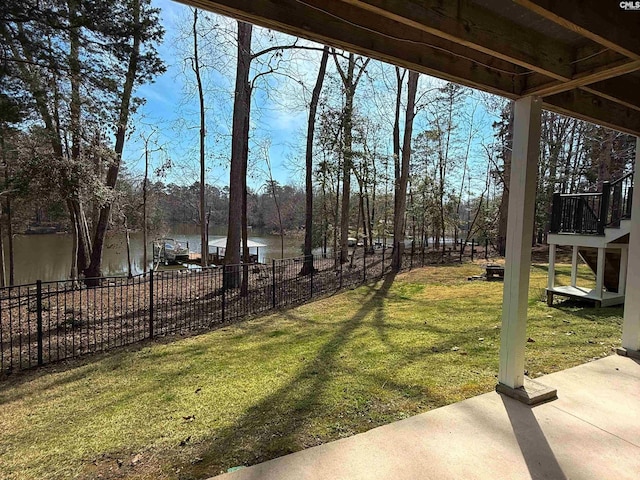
<point>173,112</point>
<point>279,111</point>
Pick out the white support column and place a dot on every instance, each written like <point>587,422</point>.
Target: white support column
<point>622,279</point>
<point>551,281</point>
<point>600,271</point>
<point>574,266</point>
<point>522,195</point>
<point>631,325</point>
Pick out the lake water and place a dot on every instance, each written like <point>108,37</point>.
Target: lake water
<point>48,257</point>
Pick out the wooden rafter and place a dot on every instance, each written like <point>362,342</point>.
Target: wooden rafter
<point>595,108</point>
<point>604,73</point>
<point>468,24</point>
<point>603,22</point>
<point>344,26</point>
<point>465,42</point>
<point>623,90</point>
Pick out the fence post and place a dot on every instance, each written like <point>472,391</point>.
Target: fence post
<point>486,249</point>
<point>311,283</point>
<point>473,245</point>
<point>151,303</point>
<point>273,290</point>
<point>39,319</point>
<point>603,214</point>
<point>224,291</point>
<point>556,213</point>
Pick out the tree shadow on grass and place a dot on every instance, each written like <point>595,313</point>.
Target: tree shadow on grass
<point>274,425</point>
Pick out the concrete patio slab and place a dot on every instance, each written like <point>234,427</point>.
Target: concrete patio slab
<point>591,431</point>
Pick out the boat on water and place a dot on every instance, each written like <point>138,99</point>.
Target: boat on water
<point>168,250</point>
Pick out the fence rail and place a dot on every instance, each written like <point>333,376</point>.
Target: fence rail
<point>591,213</point>
<point>45,322</point>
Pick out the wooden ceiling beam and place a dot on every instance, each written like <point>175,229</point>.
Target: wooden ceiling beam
<point>622,90</point>
<point>468,24</point>
<point>347,27</point>
<point>596,109</point>
<point>603,22</point>
<point>586,78</point>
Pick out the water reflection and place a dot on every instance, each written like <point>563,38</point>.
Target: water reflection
<point>48,257</point>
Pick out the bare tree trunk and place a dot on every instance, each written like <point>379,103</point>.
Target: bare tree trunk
<point>237,181</point>
<point>396,156</point>
<point>272,187</point>
<point>145,259</point>
<point>82,248</point>
<point>73,274</point>
<point>128,240</point>
<point>10,242</point>
<point>95,267</point>
<point>371,209</point>
<point>347,161</point>
<point>401,189</point>
<point>353,254</point>
<point>245,221</point>
<point>3,278</point>
<point>336,217</point>
<point>204,250</point>
<point>6,215</point>
<point>350,82</point>
<point>369,216</point>
<point>363,216</point>
<point>307,267</point>
<point>325,213</point>
<point>471,224</point>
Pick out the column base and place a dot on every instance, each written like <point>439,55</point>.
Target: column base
<point>627,352</point>
<point>531,393</point>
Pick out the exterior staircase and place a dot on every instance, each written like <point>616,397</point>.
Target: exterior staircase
<point>612,258</point>
<point>597,226</point>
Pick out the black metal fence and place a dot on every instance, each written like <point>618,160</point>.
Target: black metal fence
<point>46,322</point>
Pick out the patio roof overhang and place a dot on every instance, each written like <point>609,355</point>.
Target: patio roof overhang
<point>582,58</point>
<point>575,57</point>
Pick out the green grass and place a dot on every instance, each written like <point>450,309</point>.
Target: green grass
<point>196,406</point>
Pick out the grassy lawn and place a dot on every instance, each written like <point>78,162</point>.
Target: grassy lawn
<point>196,406</point>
